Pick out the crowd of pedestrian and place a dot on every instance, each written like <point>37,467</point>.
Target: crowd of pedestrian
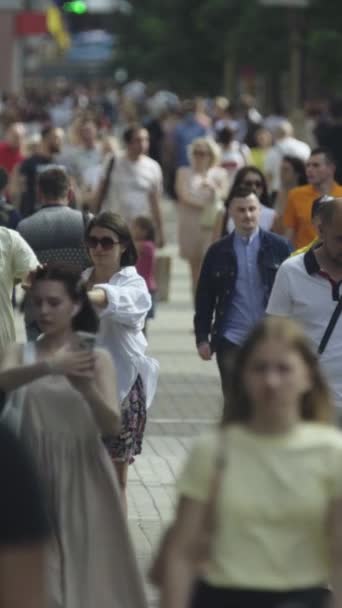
<point>83,174</point>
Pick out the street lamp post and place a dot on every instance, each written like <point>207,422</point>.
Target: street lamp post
<point>295,40</point>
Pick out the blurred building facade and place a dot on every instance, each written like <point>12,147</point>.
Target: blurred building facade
<point>23,28</point>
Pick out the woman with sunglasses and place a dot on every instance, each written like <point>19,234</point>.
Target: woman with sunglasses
<point>252,178</point>
<point>122,301</point>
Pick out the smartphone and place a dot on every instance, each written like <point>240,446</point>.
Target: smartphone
<point>87,340</point>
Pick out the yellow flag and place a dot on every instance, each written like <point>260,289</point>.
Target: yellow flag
<point>56,27</point>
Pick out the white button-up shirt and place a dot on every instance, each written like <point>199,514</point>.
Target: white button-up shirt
<point>121,324</point>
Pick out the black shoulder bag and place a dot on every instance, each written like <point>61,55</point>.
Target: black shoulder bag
<point>330,327</point>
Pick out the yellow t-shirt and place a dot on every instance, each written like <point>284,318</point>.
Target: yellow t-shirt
<point>272,507</point>
<point>258,158</point>
<point>297,214</point>
<point>16,261</point>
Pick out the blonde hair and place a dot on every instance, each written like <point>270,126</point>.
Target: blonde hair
<point>212,146</point>
<point>316,404</point>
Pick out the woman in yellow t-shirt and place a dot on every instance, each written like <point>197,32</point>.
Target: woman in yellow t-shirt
<point>277,539</point>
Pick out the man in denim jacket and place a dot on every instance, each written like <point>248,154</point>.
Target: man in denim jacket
<point>235,283</point>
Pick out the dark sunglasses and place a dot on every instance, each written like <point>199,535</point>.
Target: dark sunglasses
<point>106,242</point>
<point>249,183</point>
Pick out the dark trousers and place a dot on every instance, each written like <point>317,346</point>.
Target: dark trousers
<point>219,597</point>
<point>225,357</point>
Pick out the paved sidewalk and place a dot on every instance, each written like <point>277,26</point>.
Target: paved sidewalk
<point>188,402</point>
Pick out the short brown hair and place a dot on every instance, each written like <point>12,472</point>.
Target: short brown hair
<point>316,404</point>
<point>130,131</point>
<point>328,210</point>
<point>53,182</point>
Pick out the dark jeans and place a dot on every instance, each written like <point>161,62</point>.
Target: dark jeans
<point>225,357</point>
<point>219,597</point>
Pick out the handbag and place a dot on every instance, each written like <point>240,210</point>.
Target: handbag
<point>209,213</point>
<point>330,327</point>
<point>202,551</point>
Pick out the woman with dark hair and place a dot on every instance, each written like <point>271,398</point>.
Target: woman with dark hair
<point>61,401</point>
<point>122,300</point>
<point>293,172</point>
<point>276,463</point>
<point>292,175</point>
<point>252,178</point>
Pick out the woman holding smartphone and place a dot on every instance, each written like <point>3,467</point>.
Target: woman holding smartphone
<point>61,402</point>
<point>122,300</point>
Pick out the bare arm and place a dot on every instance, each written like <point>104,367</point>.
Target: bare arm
<point>218,226</point>
<point>14,375</point>
<point>181,555</point>
<point>195,198</point>
<point>157,217</point>
<point>126,304</point>
<point>23,577</point>
<point>16,186</point>
<point>101,394</point>
<point>222,184</point>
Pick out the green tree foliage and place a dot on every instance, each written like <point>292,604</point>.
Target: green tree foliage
<point>324,44</point>
<point>185,44</point>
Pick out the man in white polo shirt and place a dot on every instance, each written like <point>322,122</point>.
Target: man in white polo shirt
<point>308,287</point>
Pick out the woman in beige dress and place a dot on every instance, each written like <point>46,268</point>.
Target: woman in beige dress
<point>200,190</point>
<point>61,400</point>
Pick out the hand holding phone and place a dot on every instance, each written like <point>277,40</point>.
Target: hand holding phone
<point>87,340</point>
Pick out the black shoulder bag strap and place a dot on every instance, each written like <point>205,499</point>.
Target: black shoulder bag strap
<point>330,327</point>
<point>105,184</point>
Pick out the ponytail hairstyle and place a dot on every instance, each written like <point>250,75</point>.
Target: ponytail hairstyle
<point>86,319</point>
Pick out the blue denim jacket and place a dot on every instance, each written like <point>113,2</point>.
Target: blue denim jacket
<point>218,277</point>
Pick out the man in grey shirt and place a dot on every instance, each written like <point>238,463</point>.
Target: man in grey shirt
<point>55,232</point>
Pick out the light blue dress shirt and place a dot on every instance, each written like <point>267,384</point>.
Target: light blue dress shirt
<point>247,306</point>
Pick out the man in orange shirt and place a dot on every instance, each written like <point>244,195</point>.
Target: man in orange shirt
<point>320,171</point>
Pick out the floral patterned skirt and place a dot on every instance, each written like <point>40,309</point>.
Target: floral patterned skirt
<point>128,443</point>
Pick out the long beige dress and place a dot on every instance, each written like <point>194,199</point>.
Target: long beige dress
<point>193,237</point>
<point>91,561</point>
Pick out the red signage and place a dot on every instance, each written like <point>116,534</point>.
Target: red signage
<point>30,23</point>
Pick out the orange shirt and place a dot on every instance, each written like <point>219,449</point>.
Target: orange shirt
<point>297,215</point>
